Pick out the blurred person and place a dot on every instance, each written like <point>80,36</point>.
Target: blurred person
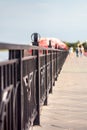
<point>71,50</point>
<point>81,50</point>
<point>77,51</point>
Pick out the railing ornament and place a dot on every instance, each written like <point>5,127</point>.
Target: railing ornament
<point>35,37</point>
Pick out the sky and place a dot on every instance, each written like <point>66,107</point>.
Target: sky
<point>62,19</point>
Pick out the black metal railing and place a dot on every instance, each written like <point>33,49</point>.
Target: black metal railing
<point>25,82</point>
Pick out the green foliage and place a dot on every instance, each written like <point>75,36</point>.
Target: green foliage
<point>85,46</point>
<point>72,44</point>
<point>75,44</point>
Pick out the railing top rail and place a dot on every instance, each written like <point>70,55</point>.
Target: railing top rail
<point>12,46</point>
<point>6,62</point>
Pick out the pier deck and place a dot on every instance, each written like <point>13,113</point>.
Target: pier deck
<point>67,106</point>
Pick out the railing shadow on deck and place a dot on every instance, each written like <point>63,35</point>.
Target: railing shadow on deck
<point>26,79</point>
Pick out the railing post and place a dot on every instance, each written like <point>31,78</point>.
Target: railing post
<point>46,100</point>
<point>51,67</point>
<point>35,37</point>
<point>56,63</point>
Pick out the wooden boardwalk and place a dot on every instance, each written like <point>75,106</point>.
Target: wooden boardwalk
<point>67,106</point>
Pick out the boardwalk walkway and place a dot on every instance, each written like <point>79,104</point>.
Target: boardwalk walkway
<point>67,106</point>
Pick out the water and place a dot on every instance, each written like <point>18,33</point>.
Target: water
<point>3,55</point>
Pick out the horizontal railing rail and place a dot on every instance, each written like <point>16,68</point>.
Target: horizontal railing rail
<point>27,76</point>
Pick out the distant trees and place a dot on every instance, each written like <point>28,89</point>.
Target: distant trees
<point>75,44</point>
<point>72,44</point>
<point>85,45</point>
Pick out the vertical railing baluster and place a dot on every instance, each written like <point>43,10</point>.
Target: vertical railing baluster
<point>15,105</point>
<point>6,84</point>
<point>51,67</point>
<point>1,93</point>
<point>56,66</point>
<point>46,79</point>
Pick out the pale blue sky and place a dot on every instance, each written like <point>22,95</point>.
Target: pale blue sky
<point>63,19</point>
